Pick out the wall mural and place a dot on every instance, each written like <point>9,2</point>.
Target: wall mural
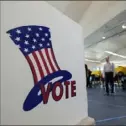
<point>35,44</point>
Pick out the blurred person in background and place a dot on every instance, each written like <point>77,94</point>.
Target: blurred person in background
<point>86,71</point>
<point>108,74</point>
<point>87,76</point>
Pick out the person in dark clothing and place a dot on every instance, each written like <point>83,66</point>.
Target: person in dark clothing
<point>109,76</point>
<point>86,73</point>
<point>87,76</point>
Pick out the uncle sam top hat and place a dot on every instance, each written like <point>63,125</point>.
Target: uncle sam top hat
<point>35,44</point>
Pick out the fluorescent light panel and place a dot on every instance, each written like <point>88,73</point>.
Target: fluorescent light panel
<point>119,61</point>
<point>115,54</point>
<point>94,61</point>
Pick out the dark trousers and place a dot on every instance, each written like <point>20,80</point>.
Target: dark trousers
<point>109,79</point>
<point>88,82</point>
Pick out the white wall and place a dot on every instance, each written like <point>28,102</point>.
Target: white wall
<point>16,77</point>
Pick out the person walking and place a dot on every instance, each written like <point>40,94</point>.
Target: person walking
<point>109,73</point>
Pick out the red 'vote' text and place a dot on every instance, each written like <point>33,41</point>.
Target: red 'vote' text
<point>63,89</point>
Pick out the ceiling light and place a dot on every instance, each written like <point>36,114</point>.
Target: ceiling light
<point>103,37</point>
<point>94,61</point>
<point>124,26</point>
<point>120,61</point>
<point>115,54</point>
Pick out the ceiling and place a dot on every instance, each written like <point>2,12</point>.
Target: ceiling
<point>98,19</point>
<point>115,40</point>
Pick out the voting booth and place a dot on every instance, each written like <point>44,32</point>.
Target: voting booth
<point>42,66</point>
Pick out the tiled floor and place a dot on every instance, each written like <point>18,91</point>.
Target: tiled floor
<point>107,110</point>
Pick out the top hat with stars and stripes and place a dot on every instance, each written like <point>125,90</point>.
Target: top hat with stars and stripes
<point>35,44</point>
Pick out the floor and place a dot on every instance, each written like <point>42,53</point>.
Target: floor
<point>107,110</point>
